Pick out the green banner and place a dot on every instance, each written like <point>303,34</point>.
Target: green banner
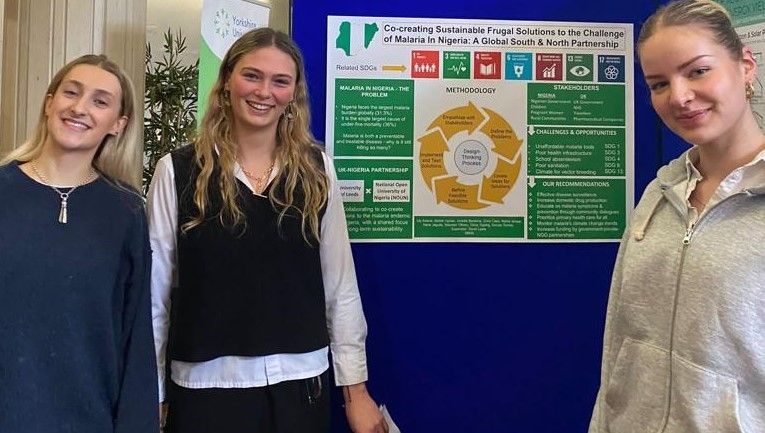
<point>745,12</point>
<point>222,23</point>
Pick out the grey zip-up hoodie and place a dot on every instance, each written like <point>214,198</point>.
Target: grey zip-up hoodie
<point>684,343</point>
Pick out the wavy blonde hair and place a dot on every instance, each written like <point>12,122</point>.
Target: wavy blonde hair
<point>295,145</point>
<point>118,157</point>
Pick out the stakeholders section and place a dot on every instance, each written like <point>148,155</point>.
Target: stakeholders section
<point>481,131</point>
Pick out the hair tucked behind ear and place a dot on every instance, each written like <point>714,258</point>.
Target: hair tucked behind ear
<point>295,145</point>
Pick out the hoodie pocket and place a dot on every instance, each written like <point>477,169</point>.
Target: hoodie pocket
<point>636,399</point>
<point>702,400</point>
<point>637,390</point>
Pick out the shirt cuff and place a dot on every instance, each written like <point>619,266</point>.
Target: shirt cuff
<point>350,369</point>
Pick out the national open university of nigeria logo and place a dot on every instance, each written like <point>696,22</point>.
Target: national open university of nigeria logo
<point>222,22</point>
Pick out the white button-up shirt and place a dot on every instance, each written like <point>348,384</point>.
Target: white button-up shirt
<point>345,318</point>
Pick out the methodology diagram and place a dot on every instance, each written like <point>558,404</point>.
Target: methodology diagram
<point>458,151</point>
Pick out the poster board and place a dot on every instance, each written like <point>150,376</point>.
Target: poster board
<point>481,130</point>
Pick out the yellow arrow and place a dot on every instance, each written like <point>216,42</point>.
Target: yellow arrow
<point>433,146</point>
<point>506,143</point>
<point>456,194</point>
<point>458,119</point>
<point>396,68</point>
<point>495,187</point>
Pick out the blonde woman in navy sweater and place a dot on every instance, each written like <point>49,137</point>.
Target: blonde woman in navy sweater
<point>249,222</point>
<point>76,347</point>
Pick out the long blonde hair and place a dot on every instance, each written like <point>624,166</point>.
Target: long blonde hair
<point>296,147</point>
<point>118,157</point>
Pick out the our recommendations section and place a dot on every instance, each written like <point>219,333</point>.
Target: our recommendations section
<point>570,208</point>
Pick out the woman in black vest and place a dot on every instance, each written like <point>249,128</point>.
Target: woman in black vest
<point>247,228</point>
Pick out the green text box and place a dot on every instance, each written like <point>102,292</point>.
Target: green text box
<point>576,104</point>
<point>562,151</point>
<point>571,208</point>
<point>579,67</point>
<point>374,117</point>
<point>468,227</point>
<point>377,195</point>
<point>456,64</point>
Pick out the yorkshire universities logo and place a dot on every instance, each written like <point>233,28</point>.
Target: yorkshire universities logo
<point>222,23</point>
<point>352,38</point>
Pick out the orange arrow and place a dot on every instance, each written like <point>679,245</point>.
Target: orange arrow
<point>495,187</point>
<point>466,118</point>
<point>433,146</point>
<point>456,194</point>
<point>395,68</point>
<point>506,143</point>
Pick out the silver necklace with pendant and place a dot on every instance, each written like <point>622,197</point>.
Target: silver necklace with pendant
<point>63,215</point>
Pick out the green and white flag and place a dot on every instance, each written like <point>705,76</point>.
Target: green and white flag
<point>223,22</point>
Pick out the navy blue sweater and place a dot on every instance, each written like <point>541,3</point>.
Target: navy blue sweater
<point>76,346</point>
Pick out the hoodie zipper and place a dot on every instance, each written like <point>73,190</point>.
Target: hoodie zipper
<point>689,234</point>
<point>686,242</point>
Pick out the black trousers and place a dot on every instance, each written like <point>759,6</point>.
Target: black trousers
<point>297,406</point>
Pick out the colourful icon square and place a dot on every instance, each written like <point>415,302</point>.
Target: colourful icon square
<point>456,64</point>
<point>579,67</point>
<point>611,69</point>
<point>518,66</point>
<point>549,66</point>
<point>425,64</point>
<point>487,65</point>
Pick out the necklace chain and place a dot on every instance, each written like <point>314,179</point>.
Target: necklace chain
<point>259,180</point>
<point>62,214</point>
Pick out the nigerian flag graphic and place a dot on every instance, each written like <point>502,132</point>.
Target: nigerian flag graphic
<point>352,38</point>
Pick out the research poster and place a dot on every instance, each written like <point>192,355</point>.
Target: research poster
<point>749,19</point>
<point>481,131</point>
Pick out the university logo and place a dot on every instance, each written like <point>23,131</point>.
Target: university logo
<point>222,23</point>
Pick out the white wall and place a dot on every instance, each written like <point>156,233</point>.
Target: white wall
<point>174,14</point>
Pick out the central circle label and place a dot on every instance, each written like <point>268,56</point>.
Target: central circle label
<point>471,157</point>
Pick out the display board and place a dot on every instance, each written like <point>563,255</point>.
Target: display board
<point>488,337</point>
<point>749,19</point>
<point>481,130</point>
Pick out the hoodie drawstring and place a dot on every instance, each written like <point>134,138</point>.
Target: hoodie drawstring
<point>639,232</point>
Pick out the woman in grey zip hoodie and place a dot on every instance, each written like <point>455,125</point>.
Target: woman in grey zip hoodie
<point>683,350</point>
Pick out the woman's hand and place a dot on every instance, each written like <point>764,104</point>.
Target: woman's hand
<point>362,412</point>
<point>162,415</point>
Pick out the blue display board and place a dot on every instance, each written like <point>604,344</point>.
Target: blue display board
<point>484,337</point>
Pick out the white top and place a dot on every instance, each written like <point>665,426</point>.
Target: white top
<point>744,177</point>
<point>345,318</point>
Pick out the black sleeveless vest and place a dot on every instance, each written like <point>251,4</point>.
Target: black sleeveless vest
<point>250,292</point>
